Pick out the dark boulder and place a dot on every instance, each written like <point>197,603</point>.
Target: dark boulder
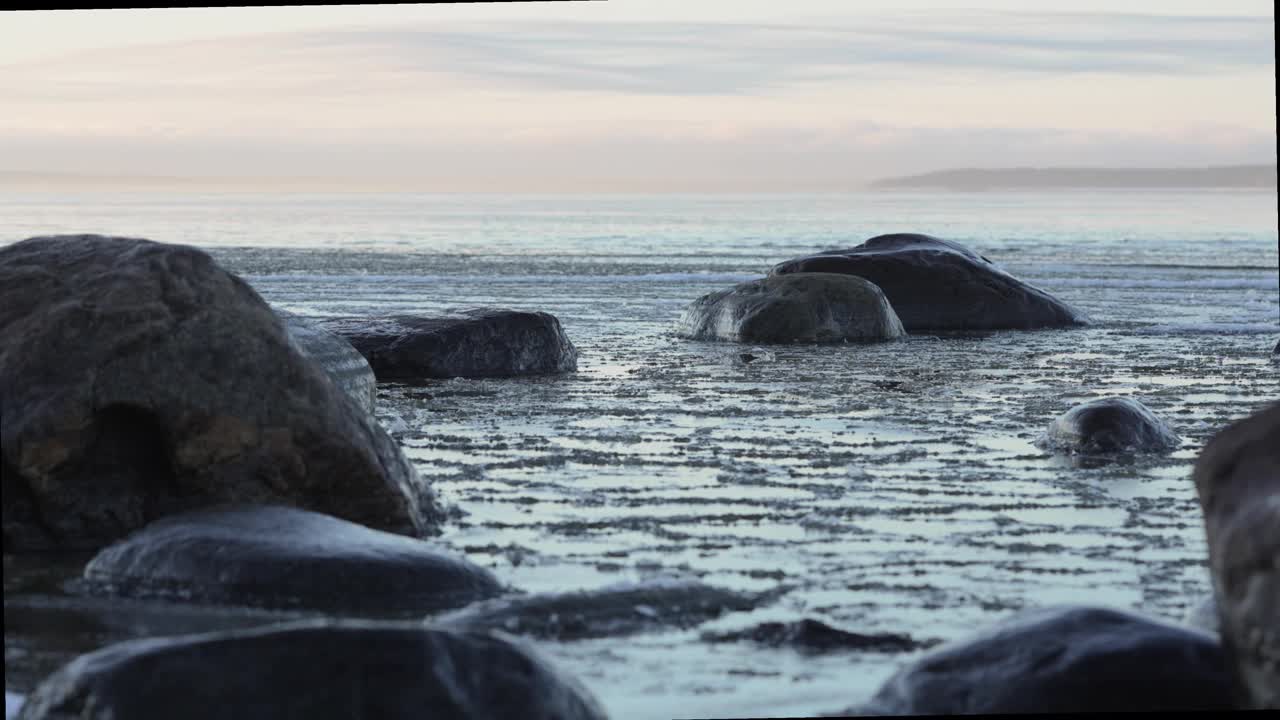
<point>624,609</point>
<point>1109,425</point>
<point>1238,481</point>
<point>806,307</point>
<point>936,284</point>
<point>279,557</point>
<point>1064,660</point>
<point>483,342</point>
<point>347,368</point>
<point>139,379</point>
<point>316,670</point>
<point>815,636</point>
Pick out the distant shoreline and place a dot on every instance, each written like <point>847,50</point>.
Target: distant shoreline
<point>1228,177</point>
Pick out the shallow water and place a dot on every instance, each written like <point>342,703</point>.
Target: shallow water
<point>895,486</point>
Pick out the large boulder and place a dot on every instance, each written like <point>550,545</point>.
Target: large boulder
<point>316,670</point>
<point>280,557</point>
<point>1238,481</point>
<point>936,284</point>
<point>1109,425</point>
<point>1064,660</point>
<point>482,342</point>
<point>806,307</point>
<point>623,609</point>
<point>346,367</point>
<point>139,379</point>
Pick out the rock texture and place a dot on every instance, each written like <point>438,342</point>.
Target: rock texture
<point>139,379</point>
<point>805,307</point>
<point>1238,481</point>
<point>608,612</point>
<point>280,557</point>
<point>936,284</point>
<point>483,342</point>
<point>1109,425</point>
<point>315,670</point>
<point>347,368</point>
<point>1064,660</point>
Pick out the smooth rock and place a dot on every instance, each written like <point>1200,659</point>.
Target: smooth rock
<point>623,609</point>
<point>1237,479</point>
<point>347,368</point>
<point>1064,660</point>
<point>280,557</point>
<point>483,342</point>
<point>1109,425</point>
<point>936,284</point>
<point>815,636</point>
<point>139,380</point>
<point>805,307</point>
<point>318,670</point>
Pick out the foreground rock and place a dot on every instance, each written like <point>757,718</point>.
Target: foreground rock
<point>138,380</point>
<point>484,342</point>
<point>806,307</point>
<point>314,670</point>
<point>937,284</point>
<point>1064,659</point>
<point>278,557</point>
<point>608,612</point>
<point>815,636</point>
<point>1238,480</point>
<point>347,368</point>
<point>1109,425</point>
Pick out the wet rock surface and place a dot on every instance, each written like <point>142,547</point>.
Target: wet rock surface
<point>140,379</point>
<point>1238,481</point>
<point>802,307</point>
<point>815,636</point>
<point>625,609</point>
<point>313,669</point>
<point>1109,425</point>
<point>936,284</point>
<point>279,557</point>
<point>481,342</point>
<point>347,368</point>
<point>1063,659</point>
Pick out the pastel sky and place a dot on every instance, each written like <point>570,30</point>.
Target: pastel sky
<point>642,95</point>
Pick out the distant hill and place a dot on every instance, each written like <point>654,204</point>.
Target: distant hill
<point>1231,176</point>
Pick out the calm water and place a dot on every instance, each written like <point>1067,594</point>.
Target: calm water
<point>895,486</point>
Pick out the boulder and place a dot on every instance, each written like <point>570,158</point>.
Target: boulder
<point>1237,479</point>
<point>815,636</point>
<point>482,342</point>
<point>320,670</point>
<point>617,610</point>
<point>1109,425</point>
<point>285,558</point>
<point>140,379</point>
<point>1069,659</point>
<point>805,307</point>
<point>936,284</point>
<point>347,368</point>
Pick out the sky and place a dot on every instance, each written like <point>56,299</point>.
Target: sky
<point>634,95</point>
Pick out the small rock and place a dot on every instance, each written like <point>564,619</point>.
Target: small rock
<point>1109,425</point>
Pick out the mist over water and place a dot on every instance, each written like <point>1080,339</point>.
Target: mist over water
<point>894,487</point>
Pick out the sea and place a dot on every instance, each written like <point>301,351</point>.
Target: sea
<point>888,488</point>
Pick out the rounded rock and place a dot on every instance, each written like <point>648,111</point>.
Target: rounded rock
<point>1109,425</point>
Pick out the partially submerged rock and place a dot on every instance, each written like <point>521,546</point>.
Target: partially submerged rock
<point>279,557</point>
<point>936,284</point>
<point>1109,425</point>
<point>347,368</point>
<point>139,379</point>
<point>1064,659</point>
<point>815,636</point>
<point>1238,481</point>
<point>806,307</point>
<point>482,342</point>
<point>317,670</point>
<point>623,609</point>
